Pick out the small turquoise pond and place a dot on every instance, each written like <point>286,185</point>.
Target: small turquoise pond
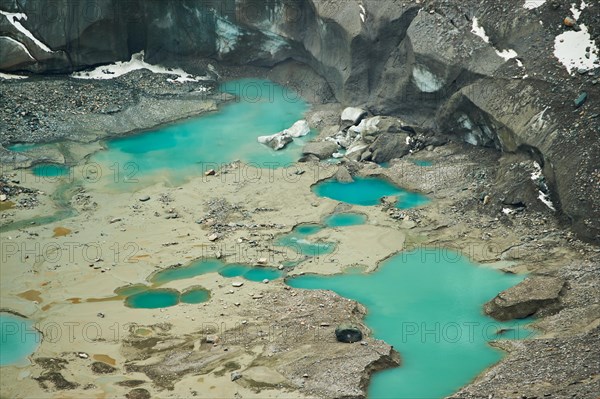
<point>143,297</point>
<point>251,273</point>
<point>23,147</point>
<point>297,240</point>
<point>50,170</point>
<point>427,304</point>
<point>153,299</point>
<point>420,162</point>
<point>345,219</point>
<point>197,145</point>
<point>204,266</point>
<point>18,339</point>
<point>367,192</point>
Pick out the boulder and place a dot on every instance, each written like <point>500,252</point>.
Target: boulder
<point>320,149</point>
<point>276,141</point>
<point>353,115</point>
<point>13,54</point>
<point>343,176</point>
<point>298,129</point>
<point>348,333</point>
<point>525,299</point>
<point>388,146</point>
<point>236,375</point>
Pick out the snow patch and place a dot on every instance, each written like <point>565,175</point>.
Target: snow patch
<point>9,76</point>
<point>479,31</point>
<point>508,211</point>
<point>507,54</point>
<point>426,81</point>
<point>533,4</point>
<point>569,48</point>
<point>536,175</point>
<point>14,19</point>
<point>363,13</point>
<point>137,62</point>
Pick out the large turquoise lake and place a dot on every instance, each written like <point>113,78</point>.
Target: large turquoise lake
<point>427,304</point>
<point>197,145</point>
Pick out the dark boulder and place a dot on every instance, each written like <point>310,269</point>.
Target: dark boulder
<point>388,146</point>
<point>102,368</point>
<point>138,393</point>
<point>348,333</point>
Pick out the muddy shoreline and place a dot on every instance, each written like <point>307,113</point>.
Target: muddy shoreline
<point>528,241</point>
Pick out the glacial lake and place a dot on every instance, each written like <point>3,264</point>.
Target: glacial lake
<point>428,305</point>
<point>179,151</point>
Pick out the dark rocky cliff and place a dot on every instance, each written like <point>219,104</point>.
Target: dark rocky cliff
<point>416,60</point>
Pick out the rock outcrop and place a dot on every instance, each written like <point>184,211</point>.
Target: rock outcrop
<point>320,149</point>
<point>525,299</point>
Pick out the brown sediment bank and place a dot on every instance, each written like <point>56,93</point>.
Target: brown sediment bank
<point>174,351</point>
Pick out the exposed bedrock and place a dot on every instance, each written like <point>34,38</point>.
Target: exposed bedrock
<point>421,62</point>
<point>526,298</point>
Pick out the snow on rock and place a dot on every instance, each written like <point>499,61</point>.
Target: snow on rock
<point>426,81</point>
<point>366,126</point>
<point>8,76</point>
<point>14,19</point>
<point>537,178</point>
<point>137,62</point>
<point>479,31</point>
<point>532,4</point>
<point>276,141</point>
<point>298,129</point>
<point>570,49</point>
<point>577,11</point>
<point>363,13</point>
<point>507,54</point>
<point>279,140</point>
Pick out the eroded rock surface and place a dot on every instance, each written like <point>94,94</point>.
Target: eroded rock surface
<point>525,298</point>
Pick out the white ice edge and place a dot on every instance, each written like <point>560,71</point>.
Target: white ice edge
<point>14,18</point>
<point>533,4</point>
<point>9,76</point>
<point>479,31</point>
<point>535,175</point>
<point>137,62</point>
